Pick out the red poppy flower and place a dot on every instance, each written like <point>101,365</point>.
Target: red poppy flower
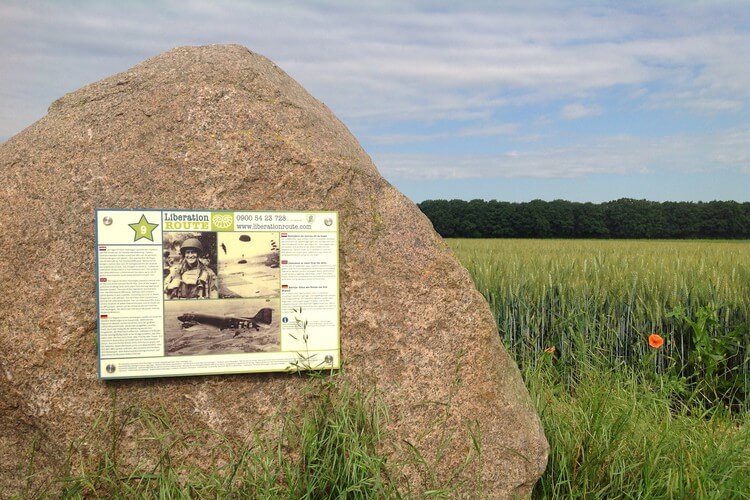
<point>655,341</point>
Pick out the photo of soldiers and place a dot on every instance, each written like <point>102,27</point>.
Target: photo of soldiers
<point>191,275</point>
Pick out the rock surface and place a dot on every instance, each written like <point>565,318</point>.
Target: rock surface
<point>220,127</point>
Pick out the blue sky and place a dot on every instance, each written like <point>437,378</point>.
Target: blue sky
<point>585,101</point>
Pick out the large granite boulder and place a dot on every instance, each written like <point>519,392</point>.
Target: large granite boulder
<point>221,127</point>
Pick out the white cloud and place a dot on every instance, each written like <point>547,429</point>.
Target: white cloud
<point>576,111</point>
<point>728,150</point>
<point>478,131</point>
<point>401,60</point>
<point>470,64</point>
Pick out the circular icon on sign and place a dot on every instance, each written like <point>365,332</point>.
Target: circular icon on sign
<point>285,320</point>
<point>328,359</point>
<point>222,221</point>
<point>111,368</point>
<point>328,221</point>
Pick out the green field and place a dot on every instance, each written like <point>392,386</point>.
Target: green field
<point>625,419</point>
<point>612,294</point>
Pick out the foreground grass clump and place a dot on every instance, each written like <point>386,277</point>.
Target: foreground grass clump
<point>328,449</point>
<point>618,434</point>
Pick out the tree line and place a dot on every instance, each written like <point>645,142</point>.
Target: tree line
<point>623,218</point>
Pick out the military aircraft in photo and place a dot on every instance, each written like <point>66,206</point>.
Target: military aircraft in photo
<point>261,320</point>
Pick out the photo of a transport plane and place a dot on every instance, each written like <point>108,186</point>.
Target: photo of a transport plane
<point>262,319</point>
<point>224,326</point>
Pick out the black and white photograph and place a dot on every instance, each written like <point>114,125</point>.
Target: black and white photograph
<point>189,262</point>
<point>248,265</point>
<point>194,327</point>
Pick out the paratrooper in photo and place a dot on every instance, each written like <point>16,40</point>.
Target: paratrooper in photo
<point>191,278</point>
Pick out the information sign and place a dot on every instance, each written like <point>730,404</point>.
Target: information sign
<point>195,292</point>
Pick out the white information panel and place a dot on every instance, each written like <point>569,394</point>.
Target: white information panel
<point>197,292</point>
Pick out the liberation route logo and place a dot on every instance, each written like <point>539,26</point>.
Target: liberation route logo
<point>222,221</point>
<point>143,229</point>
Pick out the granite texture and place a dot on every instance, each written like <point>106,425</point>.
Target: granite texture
<point>219,127</point>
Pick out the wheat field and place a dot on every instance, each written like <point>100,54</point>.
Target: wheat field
<point>626,418</point>
<point>608,295</point>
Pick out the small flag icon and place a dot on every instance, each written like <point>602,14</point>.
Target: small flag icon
<point>283,235</point>
<point>284,287</point>
<point>103,316</point>
<point>284,261</point>
<point>101,249</point>
<point>102,280</point>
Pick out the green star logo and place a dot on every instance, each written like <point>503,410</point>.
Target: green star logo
<point>143,229</point>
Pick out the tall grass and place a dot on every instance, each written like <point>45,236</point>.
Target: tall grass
<point>618,434</point>
<point>326,448</point>
<point>609,296</point>
<point>330,446</point>
<point>625,420</point>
